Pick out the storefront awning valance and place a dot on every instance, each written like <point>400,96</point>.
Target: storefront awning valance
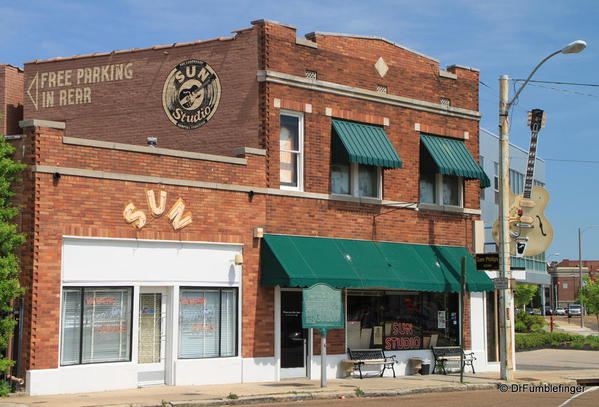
<point>300,261</point>
<point>366,144</point>
<point>453,158</point>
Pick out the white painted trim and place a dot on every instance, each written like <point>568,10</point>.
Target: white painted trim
<point>249,150</point>
<point>165,325</point>
<point>299,151</point>
<point>365,94</point>
<point>44,169</point>
<point>42,123</point>
<point>306,43</point>
<point>151,240</point>
<point>263,20</point>
<point>277,328</point>
<point>152,150</point>
<point>468,68</point>
<point>129,261</point>
<point>447,74</point>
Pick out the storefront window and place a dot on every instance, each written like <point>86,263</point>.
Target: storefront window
<point>207,323</point>
<point>401,320</point>
<point>96,325</point>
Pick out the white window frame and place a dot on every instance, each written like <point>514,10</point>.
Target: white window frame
<point>439,187</point>
<point>299,152</point>
<point>439,192</point>
<point>354,187</point>
<point>495,176</point>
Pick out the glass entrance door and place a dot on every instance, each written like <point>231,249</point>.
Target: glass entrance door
<point>151,337</point>
<point>293,336</point>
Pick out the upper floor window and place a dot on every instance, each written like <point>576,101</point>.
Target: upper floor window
<point>441,189</point>
<point>291,147</point>
<point>481,161</point>
<point>495,176</point>
<point>359,152</point>
<point>444,164</point>
<point>516,182</point>
<point>355,179</point>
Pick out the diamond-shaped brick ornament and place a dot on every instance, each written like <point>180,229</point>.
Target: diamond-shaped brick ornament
<point>381,67</point>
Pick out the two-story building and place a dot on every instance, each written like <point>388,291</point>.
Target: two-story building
<point>179,197</point>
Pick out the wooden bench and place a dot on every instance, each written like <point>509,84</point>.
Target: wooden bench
<point>444,354</point>
<point>362,357</point>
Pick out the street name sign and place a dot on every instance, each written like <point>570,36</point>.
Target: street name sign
<point>501,283</point>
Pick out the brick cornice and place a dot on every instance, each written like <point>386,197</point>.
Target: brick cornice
<point>364,94</point>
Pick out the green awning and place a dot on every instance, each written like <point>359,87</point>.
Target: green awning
<point>301,261</point>
<point>366,144</point>
<point>453,158</point>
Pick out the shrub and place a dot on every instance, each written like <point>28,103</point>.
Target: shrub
<point>520,327</point>
<point>537,340</point>
<point>529,323</point>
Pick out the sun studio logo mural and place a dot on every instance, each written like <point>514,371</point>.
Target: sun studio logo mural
<point>191,94</point>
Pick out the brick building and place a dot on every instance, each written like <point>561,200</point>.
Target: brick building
<point>565,279</point>
<point>179,197</point>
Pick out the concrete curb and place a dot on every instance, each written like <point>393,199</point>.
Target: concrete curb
<point>281,398</point>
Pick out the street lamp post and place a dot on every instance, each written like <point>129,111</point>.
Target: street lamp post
<point>580,232</point>
<point>506,301</point>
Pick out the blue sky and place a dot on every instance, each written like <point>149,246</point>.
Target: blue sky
<point>497,37</point>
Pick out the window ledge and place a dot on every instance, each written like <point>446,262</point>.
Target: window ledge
<point>449,209</point>
<point>359,199</point>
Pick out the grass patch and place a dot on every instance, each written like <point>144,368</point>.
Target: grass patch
<point>232,396</point>
<point>359,392</point>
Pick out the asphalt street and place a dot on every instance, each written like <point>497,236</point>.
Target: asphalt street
<point>491,398</point>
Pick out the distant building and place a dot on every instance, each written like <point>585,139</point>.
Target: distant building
<point>565,279</point>
<point>532,270</point>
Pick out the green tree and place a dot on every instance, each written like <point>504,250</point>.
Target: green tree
<point>523,294</point>
<point>589,295</point>
<point>10,240</point>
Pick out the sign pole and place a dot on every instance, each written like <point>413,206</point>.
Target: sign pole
<point>322,309</point>
<point>323,358</point>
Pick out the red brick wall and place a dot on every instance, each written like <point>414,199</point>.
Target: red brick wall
<point>93,207</point>
<point>129,111</point>
<point>11,99</point>
<point>570,293</point>
<point>350,61</point>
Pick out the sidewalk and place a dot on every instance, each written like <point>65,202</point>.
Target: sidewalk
<point>292,390</point>
<point>572,326</point>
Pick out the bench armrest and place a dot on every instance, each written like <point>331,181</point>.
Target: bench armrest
<point>390,358</point>
<point>470,355</point>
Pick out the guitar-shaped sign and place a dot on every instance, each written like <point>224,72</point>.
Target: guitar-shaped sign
<point>530,232</point>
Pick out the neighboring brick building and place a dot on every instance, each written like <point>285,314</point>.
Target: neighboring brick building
<point>565,279</point>
<point>154,173</point>
<point>11,99</point>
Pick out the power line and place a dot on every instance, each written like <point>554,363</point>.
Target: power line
<point>559,83</point>
<point>573,92</point>
<point>573,161</point>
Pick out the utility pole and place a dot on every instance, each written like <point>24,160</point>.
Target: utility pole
<point>506,303</point>
<point>506,300</point>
